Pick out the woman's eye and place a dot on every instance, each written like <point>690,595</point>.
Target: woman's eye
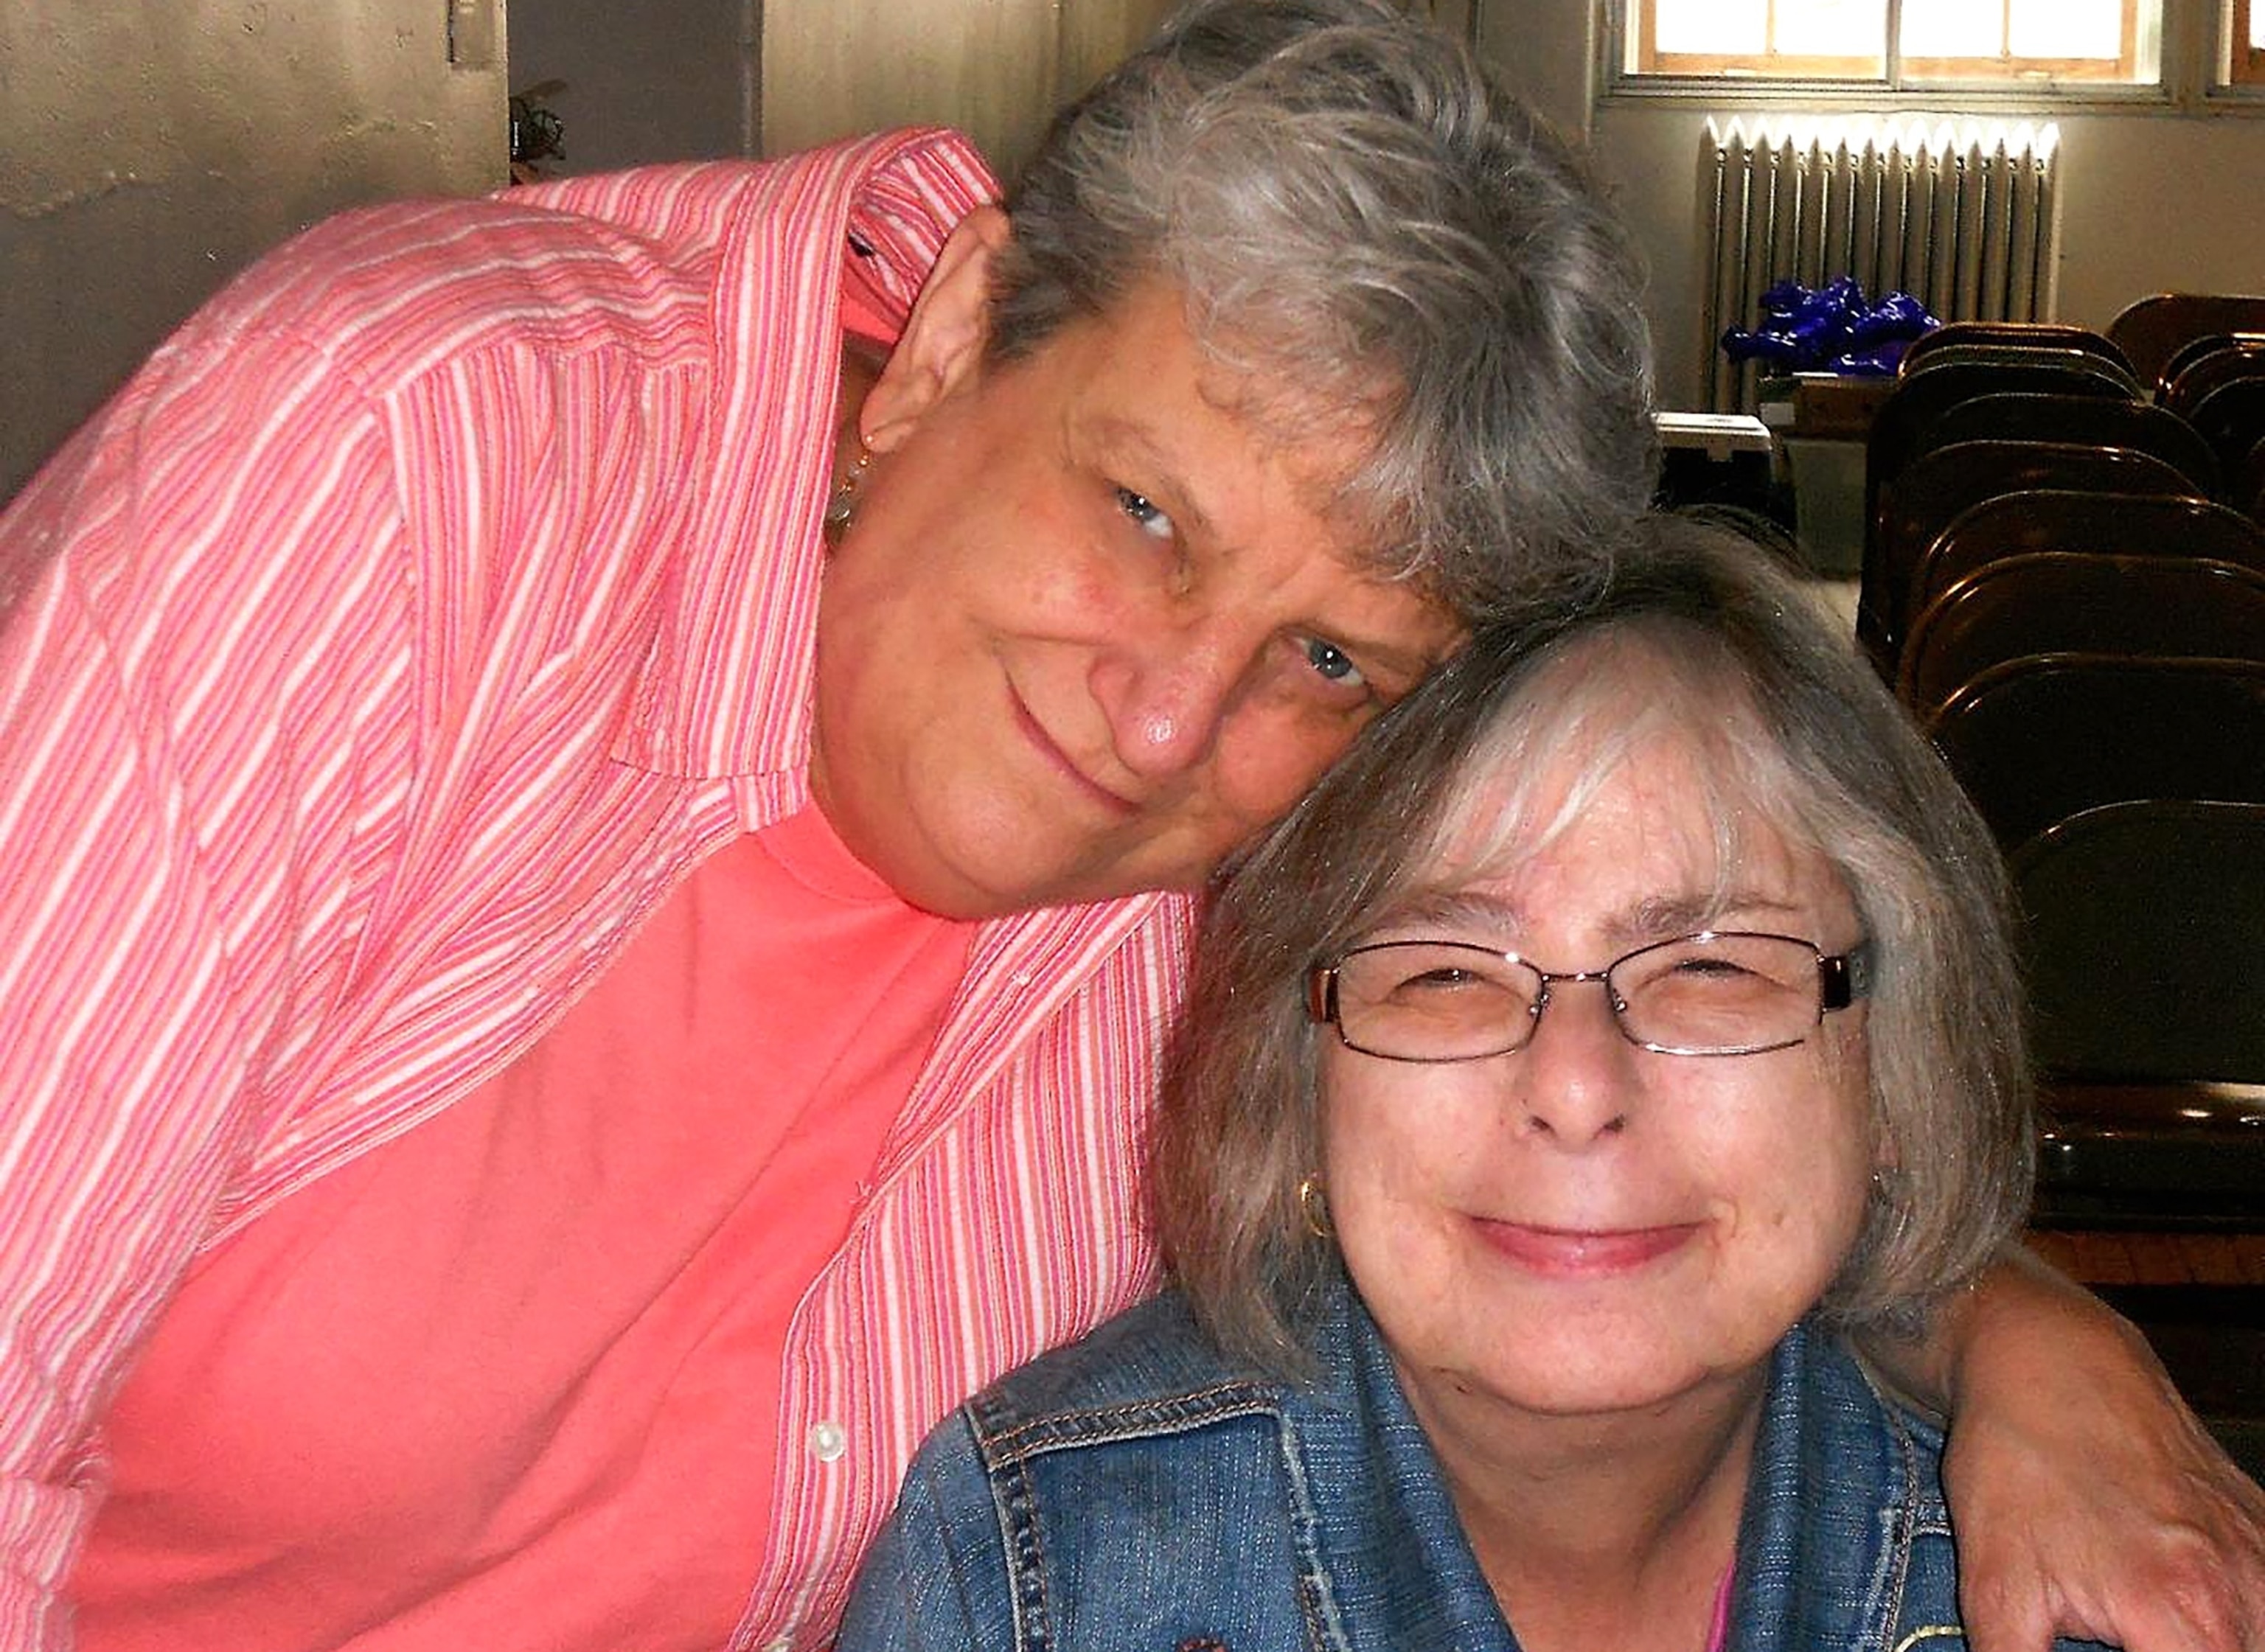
<point>1445,977</point>
<point>1715,969</point>
<point>1144,512</point>
<point>1332,662</point>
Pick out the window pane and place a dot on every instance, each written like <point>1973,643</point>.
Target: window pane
<point>2256,27</point>
<point>1715,28</point>
<point>1831,28</point>
<point>1952,28</point>
<point>2067,28</point>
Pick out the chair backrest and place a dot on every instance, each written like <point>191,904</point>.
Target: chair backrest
<point>2149,330</point>
<point>2145,929</point>
<point>2064,519</point>
<point>2044,335</point>
<point>2245,488</point>
<point>2054,357</point>
<point>1932,491</point>
<point>1916,402</point>
<point>2195,351</point>
<point>2200,368</point>
<point>2096,421</point>
<point>2231,417</point>
<point>2056,602</point>
<point>2036,739</point>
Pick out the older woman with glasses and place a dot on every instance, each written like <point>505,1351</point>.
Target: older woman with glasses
<point>1566,1083</point>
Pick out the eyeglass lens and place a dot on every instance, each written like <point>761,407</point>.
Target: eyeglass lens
<point>1713,994</point>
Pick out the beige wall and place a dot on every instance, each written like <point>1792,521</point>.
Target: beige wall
<point>147,152</point>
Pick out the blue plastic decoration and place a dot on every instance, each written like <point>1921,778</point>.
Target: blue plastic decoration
<point>1830,329</point>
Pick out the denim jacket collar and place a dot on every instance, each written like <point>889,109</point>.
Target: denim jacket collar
<point>1393,1569</point>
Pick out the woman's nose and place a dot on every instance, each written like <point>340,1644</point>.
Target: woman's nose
<point>1165,702</point>
<point>1574,1081</point>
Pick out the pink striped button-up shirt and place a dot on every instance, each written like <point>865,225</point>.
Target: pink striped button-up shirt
<point>394,642</point>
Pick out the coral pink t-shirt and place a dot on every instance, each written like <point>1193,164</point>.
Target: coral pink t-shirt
<point>513,1379</point>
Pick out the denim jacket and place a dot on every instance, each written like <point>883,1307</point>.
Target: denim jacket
<point>1137,1493</point>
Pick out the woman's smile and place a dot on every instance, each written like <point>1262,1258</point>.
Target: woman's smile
<point>1584,1252</point>
<point>1051,752</point>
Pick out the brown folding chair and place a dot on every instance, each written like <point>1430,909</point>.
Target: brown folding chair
<point>2150,330</point>
<point>1915,403</point>
<point>2065,518</point>
<point>2195,351</point>
<point>2146,927</point>
<point>2054,602</point>
<point>2061,357</point>
<point>2205,365</point>
<point>2231,417</point>
<point>2144,923</point>
<point>2046,736</point>
<point>1928,495</point>
<point>2096,421</point>
<point>2044,335</point>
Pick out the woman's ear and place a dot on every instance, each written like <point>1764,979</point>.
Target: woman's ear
<point>943,344</point>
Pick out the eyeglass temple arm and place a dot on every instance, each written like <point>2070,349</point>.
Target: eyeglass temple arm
<point>1847,977</point>
<point>1321,994</point>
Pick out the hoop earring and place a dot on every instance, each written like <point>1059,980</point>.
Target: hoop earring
<point>841,504</point>
<point>1314,1205</point>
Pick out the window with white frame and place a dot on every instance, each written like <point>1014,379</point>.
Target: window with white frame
<point>1898,43</point>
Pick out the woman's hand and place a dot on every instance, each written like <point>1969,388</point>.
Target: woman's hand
<point>2089,1500</point>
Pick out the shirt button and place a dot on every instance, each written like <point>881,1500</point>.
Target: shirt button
<point>827,1441</point>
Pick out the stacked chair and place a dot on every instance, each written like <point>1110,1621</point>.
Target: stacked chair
<point>2064,577</point>
<point>2153,329</point>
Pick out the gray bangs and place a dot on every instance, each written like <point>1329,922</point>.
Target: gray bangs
<point>1588,713</point>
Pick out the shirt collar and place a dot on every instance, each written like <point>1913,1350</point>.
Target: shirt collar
<point>728,685</point>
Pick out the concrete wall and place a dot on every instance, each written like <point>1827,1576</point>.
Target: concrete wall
<point>703,77</point>
<point>148,152</point>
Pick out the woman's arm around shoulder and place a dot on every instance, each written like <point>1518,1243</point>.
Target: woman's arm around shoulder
<point>2089,1500</point>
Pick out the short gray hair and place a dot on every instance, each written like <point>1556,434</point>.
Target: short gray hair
<point>1811,739</point>
<point>1358,217</point>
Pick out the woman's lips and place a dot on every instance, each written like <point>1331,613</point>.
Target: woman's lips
<point>1584,1253</point>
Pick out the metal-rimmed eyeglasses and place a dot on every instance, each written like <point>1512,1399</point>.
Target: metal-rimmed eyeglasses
<point>1719,992</point>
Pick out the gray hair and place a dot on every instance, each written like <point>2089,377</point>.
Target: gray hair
<point>1367,226</point>
<point>1800,732</point>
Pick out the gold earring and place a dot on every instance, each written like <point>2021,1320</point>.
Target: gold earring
<point>1314,1206</point>
<point>1890,1194</point>
<point>841,504</point>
